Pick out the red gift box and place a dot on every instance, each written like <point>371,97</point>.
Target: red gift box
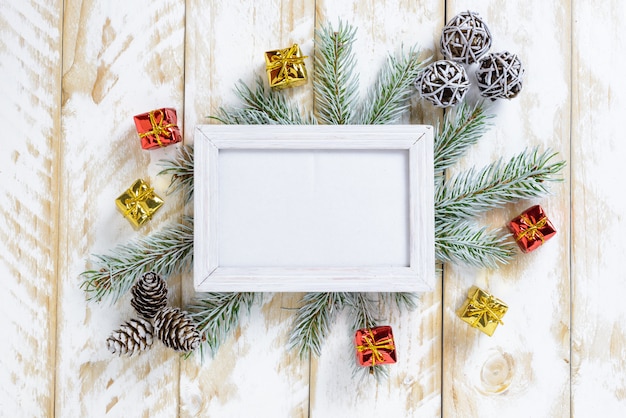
<point>531,229</point>
<point>158,128</point>
<point>375,346</point>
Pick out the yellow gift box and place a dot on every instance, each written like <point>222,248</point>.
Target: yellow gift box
<point>285,67</point>
<point>482,311</point>
<point>139,203</point>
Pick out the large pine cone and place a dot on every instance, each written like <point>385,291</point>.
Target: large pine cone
<point>176,329</point>
<point>149,295</point>
<point>133,336</point>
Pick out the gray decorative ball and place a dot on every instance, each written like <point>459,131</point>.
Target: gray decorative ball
<point>499,75</point>
<point>465,38</point>
<point>443,83</point>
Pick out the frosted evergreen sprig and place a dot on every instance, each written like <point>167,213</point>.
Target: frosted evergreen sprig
<point>464,242</point>
<point>389,98</point>
<point>471,193</point>
<point>335,84</point>
<point>181,170</point>
<point>263,105</point>
<point>168,251</point>
<point>313,321</point>
<point>461,129</point>
<point>218,314</point>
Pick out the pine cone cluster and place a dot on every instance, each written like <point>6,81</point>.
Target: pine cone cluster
<point>174,327</point>
<point>132,337</point>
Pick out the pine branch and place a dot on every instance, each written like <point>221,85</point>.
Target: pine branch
<point>181,169</point>
<point>169,252</point>
<point>464,242</point>
<point>461,129</point>
<point>402,300</point>
<point>313,321</point>
<point>218,314</point>
<point>363,310</point>
<point>263,105</point>
<point>472,192</point>
<point>389,98</point>
<point>335,84</point>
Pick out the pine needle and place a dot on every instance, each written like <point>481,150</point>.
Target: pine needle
<point>389,97</point>
<point>218,314</point>
<point>313,321</point>
<point>263,105</point>
<point>169,252</point>
<point>363,310</point>
<point>335,84</point>
<point>181,169</point>
<point>402,300</point>
<point>463,242</point>
<point>471,193</point>
<point>462,128</point>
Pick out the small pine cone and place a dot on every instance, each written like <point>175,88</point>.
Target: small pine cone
<point>149,295</point>
<point>133,336</point>
<point>176,329</point>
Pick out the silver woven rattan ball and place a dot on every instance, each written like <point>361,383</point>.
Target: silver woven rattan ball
<point>443,83</point>
<point>465,38</point>
<point>499,75</point>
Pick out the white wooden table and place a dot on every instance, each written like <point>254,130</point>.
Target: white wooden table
<point>72,75</point>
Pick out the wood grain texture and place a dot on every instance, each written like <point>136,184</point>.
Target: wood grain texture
<point>523,370</point>
<point>30,87</point>
<point>598,208</point>
<point>253,372</point>
<point>119,59</point>
<point>413,388</point>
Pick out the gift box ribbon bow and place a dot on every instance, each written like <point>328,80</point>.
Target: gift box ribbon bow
<point>137,196</point>
<point>370,344</point>
<point>533,231</point>
<point>159,129</point>
<point>486,309</point>
<point>285,59</point>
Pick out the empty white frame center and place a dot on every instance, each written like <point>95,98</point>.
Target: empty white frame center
<point>313,208</point>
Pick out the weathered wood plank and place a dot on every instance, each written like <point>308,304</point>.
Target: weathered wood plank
<point>598,207</point>
<point>414,385</point>
<point>253,371</point>
<point>525,365</point>
<point>30,87</point>
<point>117,62</point>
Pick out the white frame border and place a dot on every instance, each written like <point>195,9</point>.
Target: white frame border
<point>418,276</point>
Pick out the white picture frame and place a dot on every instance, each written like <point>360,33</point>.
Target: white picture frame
<point>313,208</point>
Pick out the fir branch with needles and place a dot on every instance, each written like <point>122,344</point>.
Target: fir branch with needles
<point>472,193</point>
<point>168,251</point>
<point>218,314</point>
<point>313,321</point>
<point>335,84</point>
<point>389,98</point>
<point>462,242</point>
<point>181,170</point>
<point>263,105</point>
<point>461,129</point>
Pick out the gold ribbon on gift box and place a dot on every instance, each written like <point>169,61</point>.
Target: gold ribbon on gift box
<point>158,128</point>
<point>533,231</point>
<point>482,311</point>
<point>139,202</point>
<point>370,344</point>
<point>285,59</point>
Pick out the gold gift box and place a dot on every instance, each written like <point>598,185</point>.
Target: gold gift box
<point>285,67</point>
<point>482,311</point>
<point>139,203</point>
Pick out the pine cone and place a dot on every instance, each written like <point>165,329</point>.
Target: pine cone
<point>176,329</point>
<point>149,295</point>
<point>133,336</point>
